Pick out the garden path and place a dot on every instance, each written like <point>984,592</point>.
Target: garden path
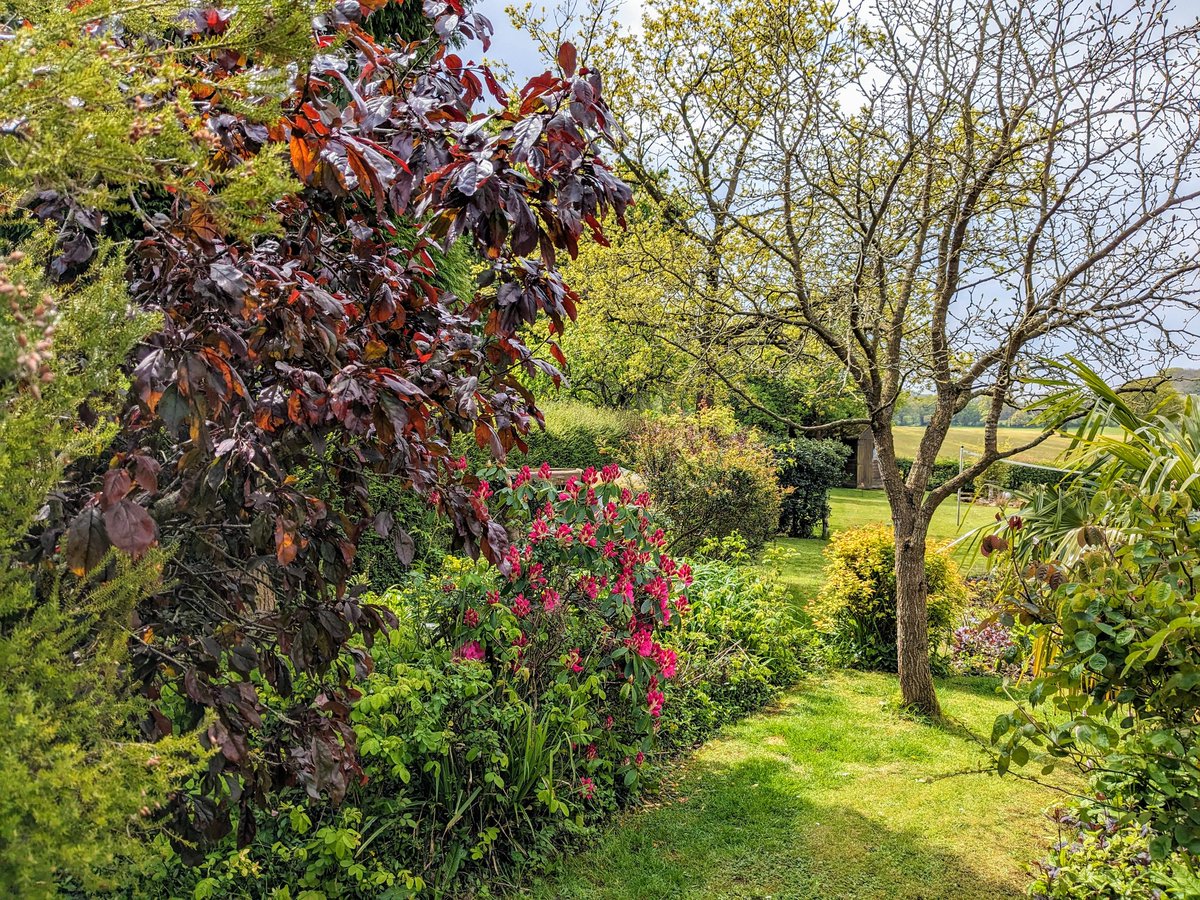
<point>829,794</point>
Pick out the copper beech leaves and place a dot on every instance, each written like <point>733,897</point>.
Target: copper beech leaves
<point>87,541</point>
<point>291,370</point>
<point>130,527</point>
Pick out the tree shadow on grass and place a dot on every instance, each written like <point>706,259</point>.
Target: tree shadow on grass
<point>751,829</point>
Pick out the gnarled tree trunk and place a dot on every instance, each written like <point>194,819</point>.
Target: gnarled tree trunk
<point>912,619</point>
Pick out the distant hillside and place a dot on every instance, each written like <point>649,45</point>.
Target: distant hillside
<point>1186,381</point>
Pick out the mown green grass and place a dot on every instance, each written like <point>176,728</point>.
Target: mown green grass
<point>800,561</point>
<point>830,795</point>
<point>908,438</point>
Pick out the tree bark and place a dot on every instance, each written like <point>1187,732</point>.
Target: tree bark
<point>912,618</point>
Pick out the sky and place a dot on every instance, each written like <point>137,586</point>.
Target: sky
<point>519,54</point>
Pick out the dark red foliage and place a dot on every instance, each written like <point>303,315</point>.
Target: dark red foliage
<point>288,371</point>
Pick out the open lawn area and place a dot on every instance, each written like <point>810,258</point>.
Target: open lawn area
<point>830,794</point>
<point>800,561</point>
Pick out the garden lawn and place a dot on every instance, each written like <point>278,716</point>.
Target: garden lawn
<point>800,561</point>
<point>908,438</point>
<point>829,795</point>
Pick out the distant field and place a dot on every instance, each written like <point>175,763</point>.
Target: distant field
<point>908,437</point>
<point>800,562</point>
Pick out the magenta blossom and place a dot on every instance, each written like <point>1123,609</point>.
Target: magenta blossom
<point>471,650</point>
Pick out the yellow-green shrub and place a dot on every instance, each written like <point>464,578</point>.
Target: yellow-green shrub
<point>708,477</point>
<point>856,607</point>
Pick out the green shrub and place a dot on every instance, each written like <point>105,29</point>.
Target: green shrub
<point>708,478</point>
<point>1004,475</point>
<point>576,436</point>
<point>740,645</point>
<point>943,470</point>
<point>856,608</point>
<point>377,560</point>
<point>1107,860</point>
<point>1118,687</point>
<point>498,727</point>
<point>807,470</point>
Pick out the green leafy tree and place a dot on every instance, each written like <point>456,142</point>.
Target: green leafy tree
<point>928,212</point>
<point>807,470</point>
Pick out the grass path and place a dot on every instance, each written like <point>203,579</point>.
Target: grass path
<point>830,795</point>
<point>800,561</point>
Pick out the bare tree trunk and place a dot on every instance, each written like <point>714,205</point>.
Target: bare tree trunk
<point>912,616</point>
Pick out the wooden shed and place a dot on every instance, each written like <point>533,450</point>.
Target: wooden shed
<point>867,462</point>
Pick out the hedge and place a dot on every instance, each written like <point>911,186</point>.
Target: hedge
<point>576,436</point>
<point>1003,475</point>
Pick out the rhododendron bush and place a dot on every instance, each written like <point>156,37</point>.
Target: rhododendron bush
<point>516,706</point>
<point>586,587</point>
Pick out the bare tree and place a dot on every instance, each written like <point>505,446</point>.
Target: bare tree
<point>939,194</point>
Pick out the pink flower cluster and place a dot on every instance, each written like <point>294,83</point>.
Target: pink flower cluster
<point>472,650</point>
<point>591,549</point>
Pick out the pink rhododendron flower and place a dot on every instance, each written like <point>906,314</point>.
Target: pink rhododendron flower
<point>550,598</point>
<point>492,597</point>
<point>641,642</point>
<point>667,660</point>
<point>523,476</point>
<point>610,473</point>
<point>608,723</point>
<point>539,531</point>
<point>640,758</point>
<point>574,660</point>
<point>626,495</point>
<point>564,533</point>
<point>609,550</point>
<point>654,700</point>
<point>470,617</point>
<point>521,640</point>
<point>588,585</point>
<point>471,650</point>
<point>592,752</point>
<point>587,534</point>
<point>590,476</point>
<point>483,491</point>
<point>520,606</point>
<point>587,787</point>
<point>544,471</point>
